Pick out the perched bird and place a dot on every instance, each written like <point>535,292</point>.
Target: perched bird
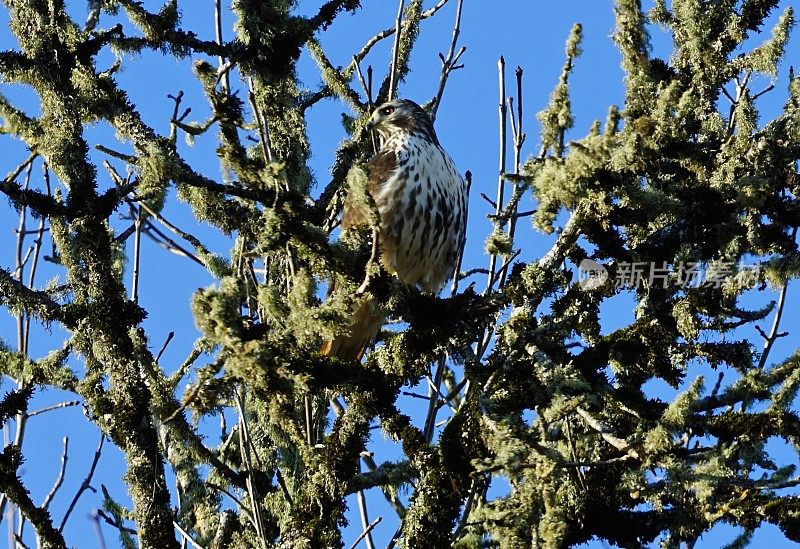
<point>422,204</point>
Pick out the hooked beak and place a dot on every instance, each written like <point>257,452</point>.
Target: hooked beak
<point>370,126</point>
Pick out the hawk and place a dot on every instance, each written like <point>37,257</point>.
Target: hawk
<point>422,204</point>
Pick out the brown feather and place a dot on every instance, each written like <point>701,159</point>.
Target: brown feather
<point>379,168</point>
<point>365,325</point>
<point>367,318</point>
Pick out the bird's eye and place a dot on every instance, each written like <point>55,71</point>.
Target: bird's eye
<point>387,110</point>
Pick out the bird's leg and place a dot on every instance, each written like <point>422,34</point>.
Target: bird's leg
<point>371,264</point>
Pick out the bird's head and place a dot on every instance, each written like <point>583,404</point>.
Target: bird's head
<point>401,115</point>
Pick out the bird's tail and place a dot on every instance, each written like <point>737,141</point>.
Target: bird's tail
<point>366,322</point>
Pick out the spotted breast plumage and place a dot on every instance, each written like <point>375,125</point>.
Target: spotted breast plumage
<point>422,204</point>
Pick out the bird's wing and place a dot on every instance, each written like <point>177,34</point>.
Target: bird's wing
<point>380,168</point>
<point>367,317</point>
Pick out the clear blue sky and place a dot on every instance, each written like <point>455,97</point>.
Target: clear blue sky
<point>529,34</point>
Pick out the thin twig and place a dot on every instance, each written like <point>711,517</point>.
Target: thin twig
<point>191,239</point>
<point>308,406</point>
<point>449,63</point>
<point>390,495</point>
<point>20,544</point>
<point>226,82</point>
<point>441,397</point>
<point>185,534</point>
<point>365,524</point>
<point>395,51</point>
<point>395,537</point>
<point>113,522</point>
<point>566,238</point>
<point>137,241</point>
<point>367,90</point>
<point>462,523</point>
<point>366,533</point>
<point>362,53</point>
<point>19,169</point>
<point>244,448</point>
<point>415,395</point>
<point>762,92</point>
<point>58,406</point>
<point>471,272</point>
<point>23,520</point>
<point>284,488</point>
<point>491,202</point>
<point>167,243</point>
<point>7,513</point>
<point>433,397</point>
<point>85,485</point>
<point>164,347</point>
<point>22,339</point>
<point>236,500</point>
<point>101,542</point>
<point>173,128</point>
<point>263,128</point>
<point>130,159</point>
<point>37,248</point>
<point>776,321</point>
<point>59,478</point>
<point>503,123</point>
<point>573,454</point>
<point>370,105</point>
<point>453,394</point>
<point>23,215</point>
<point>727,94</point>
<point>616,442</point>
<point>181,371</point>
<point>369,82</point>
<point>170,244</point>
<point>511,257</point>
<point>373,259</point>
<point>519,139</point>
<point>463,244</point>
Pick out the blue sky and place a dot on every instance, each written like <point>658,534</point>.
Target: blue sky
<point>530,34</point>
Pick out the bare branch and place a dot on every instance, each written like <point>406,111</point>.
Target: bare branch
<point>164,346</point>
<point>101,542</point>
<point>186,536</point>
<point>503,123</point>
<point>59,478</point>
<point>616,442</point>
<point>366,533</point>
<point>226,85</point>
<point>365,524</point>
<point>769,340</point>
<point>388,32</point>
<point>449,63</point>
<point>111,521</point>
<point>58,406</point>
<point>393,69</point>
<point>518,137</point>
<point>85,485</point>
<point>263,128</point>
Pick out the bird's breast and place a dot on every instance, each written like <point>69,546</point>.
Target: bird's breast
<point>422,205</point>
